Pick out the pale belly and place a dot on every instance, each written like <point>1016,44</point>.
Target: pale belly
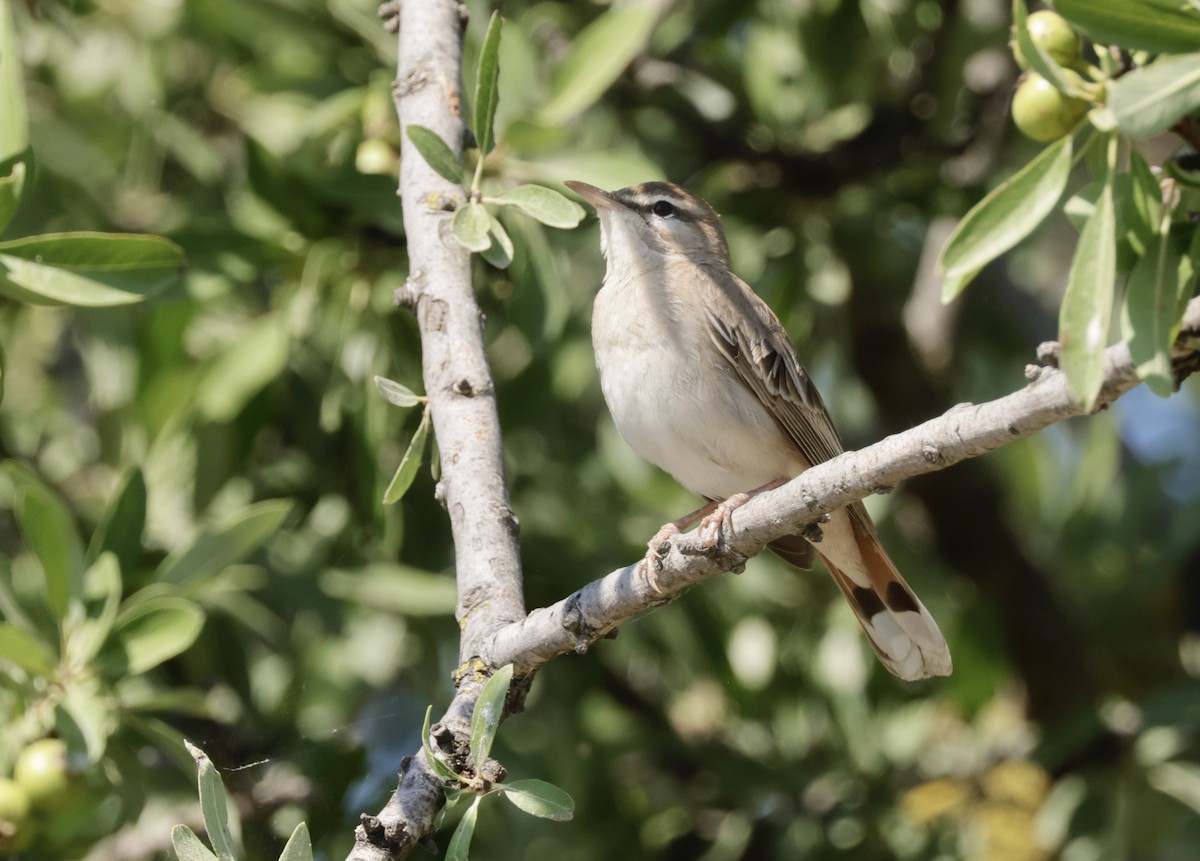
<point>696,421</point>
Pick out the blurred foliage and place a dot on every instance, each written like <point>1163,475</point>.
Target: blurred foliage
<point>839,139</point>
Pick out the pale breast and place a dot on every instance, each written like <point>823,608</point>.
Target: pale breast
<point>675,399</point>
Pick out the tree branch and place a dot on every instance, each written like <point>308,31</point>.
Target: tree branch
<point>461,393</point>
<point>965,431</point>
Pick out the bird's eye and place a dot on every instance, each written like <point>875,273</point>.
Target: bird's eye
<point>662,209</point>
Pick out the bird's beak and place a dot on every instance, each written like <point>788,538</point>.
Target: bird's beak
<point>597,197</point>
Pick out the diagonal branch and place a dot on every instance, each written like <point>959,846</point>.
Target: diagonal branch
<point>966,431</point>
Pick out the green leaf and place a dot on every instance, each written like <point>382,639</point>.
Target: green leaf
<point>487,86</point>
<point>1145,200</point>
<point>49,531</point>
<point>545,204</point>
<point>435,762</point>
<point>151,630</point>
<point>299,846</point>
<point>1087,304</point>
<point>88,269</point>
<point>1007,215</point>
<point>1151,310</point>
<point>102,585</point>
<point>436,152</point>
<point>540,798</point>
<point>392,588</point>
<point>14,122</point>
<point>255,359</point>
<point>10,193</point>
<point>488,711</point>
<point>85,717</point>
<point>470,226</point>
<point>1153,98</point>
<point>230,541</point>
<point>460,841</point>
<point>1157,26</point>
<point>500,252</point>
<point>26,651</point>
<point>397,393</point>
<point>597,58</point>
<point>214,806</point>
<point>188,846</point>
<point>120,530</point>
<point>409,464</point>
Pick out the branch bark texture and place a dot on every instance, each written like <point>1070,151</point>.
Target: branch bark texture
<point>459,386</point>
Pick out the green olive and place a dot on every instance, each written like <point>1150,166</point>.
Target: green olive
<point>42,772</point>
<point>1042,112</point>
<point>16,826</point>
<point>1052,34</point>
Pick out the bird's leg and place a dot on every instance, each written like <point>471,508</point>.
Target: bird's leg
<point>657,546</point>
<point>719,520</point>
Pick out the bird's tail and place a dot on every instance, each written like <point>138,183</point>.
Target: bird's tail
<point>902,632</point>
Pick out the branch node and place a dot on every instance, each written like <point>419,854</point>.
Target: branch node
<point>405,764</point>
<point>813,532</point>
<point>389,14</point>
<point>414,79</point>
<point>1034,372</point>
<point>464,388</point>
<point>1048,353</point>
<point>884,489</point>
<point>930,454</point>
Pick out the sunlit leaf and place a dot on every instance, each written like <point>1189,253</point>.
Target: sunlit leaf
<point>88,269</point>
<point>470,226</point>
<point>436,152</point>
<point>1148,314</point>
<point>460,841</point>
<point>14,122</point>
<point>597,58</point>
<point>50,533</point>
<point>392,588</point>
<point>540,798</point>
<point>409,464</point>
<point>500,252</point>
<point>102,585</point>
<point>188,846</point>
<point>1157,26</point>
<point>435,762</point>
<point>489,710</point>
<point>151,631</point>
<point>214,806</point>
<point>25,651</point>
<point>230,541</point>
<point>299,845</point>
<point>397,394</point>
<point>11,186</point>
<point>1007,215</point>
<point>1087,304</point>
<point>545,204</point>
<point>255,359</point>
<point>120,529</point>
<point>487,86</point>
<point>1153,98</point>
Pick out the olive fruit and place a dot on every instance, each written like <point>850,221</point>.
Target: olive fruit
<point>1052,34</point>
<point>1042,112</point>
<point>16,826</point>
<point>41,771</point>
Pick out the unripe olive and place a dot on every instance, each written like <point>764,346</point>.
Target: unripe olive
<point>41,770</point>
<point>1042,112</point>
<point>1052,34</point>
<point>16,826</point>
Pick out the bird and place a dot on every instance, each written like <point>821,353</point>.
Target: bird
<point>702,380</point>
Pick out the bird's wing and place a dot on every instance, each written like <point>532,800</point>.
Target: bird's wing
<point>750,336</point>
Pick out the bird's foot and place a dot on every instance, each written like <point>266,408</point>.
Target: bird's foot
<point>719,522</point>
<point>656,548</point>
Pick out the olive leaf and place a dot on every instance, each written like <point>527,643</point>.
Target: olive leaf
<point>470,226</point>
<point>500,252</point>
<point>545,204</point>
<point>487,87</point>
<point>436,152</point>
<point>409,464</point>
<point>1005,216</point>
<point>1087,305</point>
<point>1151,99</point>
<point>541,799</point>
<point>460,841</point>
<point>397,394</point>
<point>489,709</point>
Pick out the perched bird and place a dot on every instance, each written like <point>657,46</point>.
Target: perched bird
<point>702,381</point>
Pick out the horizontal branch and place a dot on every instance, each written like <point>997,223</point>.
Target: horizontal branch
<point>965,431</point>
